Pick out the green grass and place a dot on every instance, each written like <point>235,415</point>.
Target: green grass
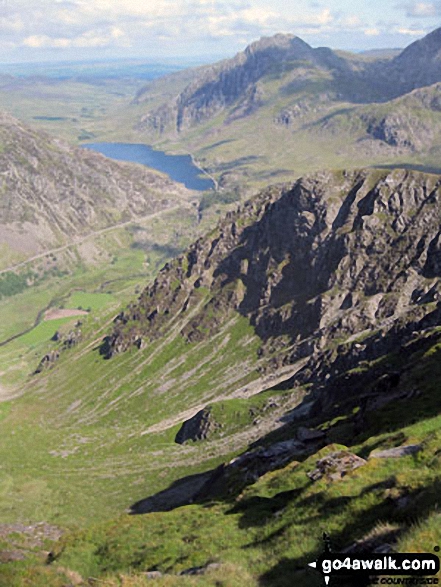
<point>44,331</point>
<point>103,284</point>
<point>234,415</point>
<point>75,116</point>
<point>260,532</point>
<point>102,464</point>
<point>88,301</point>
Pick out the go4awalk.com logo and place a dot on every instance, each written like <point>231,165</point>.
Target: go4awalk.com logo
<point>419,569</point>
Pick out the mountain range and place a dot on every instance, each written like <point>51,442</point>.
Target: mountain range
<point>301,100</point>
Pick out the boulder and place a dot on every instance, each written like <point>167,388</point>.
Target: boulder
<point>201,570</point>
<point>307,435</point>
<point>199,427</point>
<point>336,465</point>
<point>397,452</point>
<point>48,361</point>
<point>152,575</point>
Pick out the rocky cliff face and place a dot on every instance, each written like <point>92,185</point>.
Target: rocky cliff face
<point>335,257</point>
<point>237,80</point>
<point>52,193</point>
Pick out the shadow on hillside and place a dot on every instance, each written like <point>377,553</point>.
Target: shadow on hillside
<point>274,173</point>
<point>419,502</point>
<point>237,163</point>
<point>104,348</point>
<point>218,144</point>
<point>181,492</point>
<point>403,376</point>
<point>167,251</point>
<point>256,510</point>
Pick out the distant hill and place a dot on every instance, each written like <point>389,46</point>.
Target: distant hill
<point>380,53</point>
<point>54,194</point>
<point>282,107</point>
<point>417,66</point>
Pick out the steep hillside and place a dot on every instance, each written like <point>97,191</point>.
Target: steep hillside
<point>406,126</point>
<point>283,370</point>
<point>308,266</point>
<point>417,66</point>
<point>236,81</point>
<point>53,195</point>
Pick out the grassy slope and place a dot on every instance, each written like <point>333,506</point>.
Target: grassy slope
<point>84,397</point>
<point>266,534</point>
<point>122,261</point>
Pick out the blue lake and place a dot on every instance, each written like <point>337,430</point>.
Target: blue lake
<point>179,167</point>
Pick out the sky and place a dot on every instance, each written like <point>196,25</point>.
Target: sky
<point>66,30</point>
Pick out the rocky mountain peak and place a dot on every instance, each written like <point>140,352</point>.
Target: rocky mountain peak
<point>239,86</point>
<point>285,45</point>
<point>237,80</point>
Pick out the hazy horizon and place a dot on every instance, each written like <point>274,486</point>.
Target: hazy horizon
<point>77,30</point>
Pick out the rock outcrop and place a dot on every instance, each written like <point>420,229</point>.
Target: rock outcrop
<point>67,341</point>
<point>336,465</point>
<point>309,266</point>
<point>197,428</point>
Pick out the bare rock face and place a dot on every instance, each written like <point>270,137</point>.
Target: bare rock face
<point>199,427</point>
<point>331,256</point>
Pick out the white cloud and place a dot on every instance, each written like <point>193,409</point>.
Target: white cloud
<point>89,39</point>
<point>13,24</point>
<point>353,21</point>
<point>411,32</point>
<point>373,32</point>
<point>173,26</point>
<point>422,9</point>
<point>36,41</point>
<point>324,17</point>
